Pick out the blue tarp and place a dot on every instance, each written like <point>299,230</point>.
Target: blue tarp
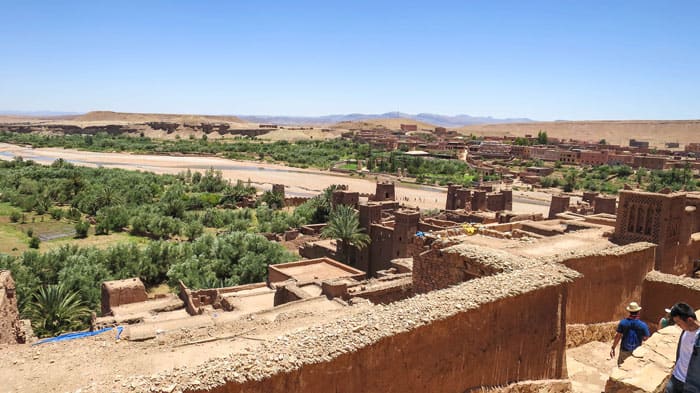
<point>420,234</point>
<point>73,336</point>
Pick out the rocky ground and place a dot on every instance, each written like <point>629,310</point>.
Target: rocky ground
<point>102,360</point>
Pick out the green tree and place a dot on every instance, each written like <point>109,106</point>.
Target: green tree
<point>274,200</point>
<point>570,181</point>
<point>81,229</point>
<point>53,310</point>
<point>542,137</point>
<point>344,226</point>
<point>34,242</point>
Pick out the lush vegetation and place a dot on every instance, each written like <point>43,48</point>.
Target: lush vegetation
<point>53,309</point>
<point>612,178</point>
<point>428,170</point>
<point>164,209</point>
<point>232,259</point>
<point>306,153</point>
<point>311,153</point>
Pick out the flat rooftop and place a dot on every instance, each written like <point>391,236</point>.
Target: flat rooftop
<point>313,270</point>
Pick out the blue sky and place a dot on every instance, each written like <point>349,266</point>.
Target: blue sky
<point>544,60</point>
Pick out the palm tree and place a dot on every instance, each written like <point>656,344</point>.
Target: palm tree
<point>344,226</point>
<point>108,196</point>
<point>54,310</point>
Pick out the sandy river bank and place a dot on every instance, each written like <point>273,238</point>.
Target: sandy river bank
<point>299,182</point>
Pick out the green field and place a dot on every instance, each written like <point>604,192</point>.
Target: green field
<point>14,239</point>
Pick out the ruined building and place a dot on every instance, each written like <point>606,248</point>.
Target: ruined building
<point>12,329</point>
<point>470,199</point>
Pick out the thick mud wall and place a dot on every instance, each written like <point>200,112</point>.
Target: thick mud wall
<point>663,290</point>
<point>612,278</point>
<point>494,344</point>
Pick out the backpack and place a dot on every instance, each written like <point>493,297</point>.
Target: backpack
<point>631,338</point>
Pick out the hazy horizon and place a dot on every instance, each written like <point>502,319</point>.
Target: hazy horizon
<point>542,60</point>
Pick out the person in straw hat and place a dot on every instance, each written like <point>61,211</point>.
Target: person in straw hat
<point>631,332</point>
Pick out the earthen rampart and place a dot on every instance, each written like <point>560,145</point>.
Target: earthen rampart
<point>451,340</point>
<point>611,278</point>
<point>440,268</point>
<point>661,291</point>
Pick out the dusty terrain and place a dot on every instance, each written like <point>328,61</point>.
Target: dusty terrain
<point>392,124</point>
<point>657,132</point>
<point>122,117</point>
<point>619,132</point>
<point>589,366</point>
<point>68,366</point>
<point>299,182</point>
<point>160,126</point>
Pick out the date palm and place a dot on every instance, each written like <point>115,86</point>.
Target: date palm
<point>54,309</point>
<point>344,226</point>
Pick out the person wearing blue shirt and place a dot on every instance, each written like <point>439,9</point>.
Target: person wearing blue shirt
<point>631,332</point>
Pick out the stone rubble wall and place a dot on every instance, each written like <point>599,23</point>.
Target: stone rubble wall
<point>579,334</point>
<point>384,291</point>
<point>545,386</point>
<point>439,268</point>
<point>451,340</point>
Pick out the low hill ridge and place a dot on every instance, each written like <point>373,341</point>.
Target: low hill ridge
<point>150,117</point>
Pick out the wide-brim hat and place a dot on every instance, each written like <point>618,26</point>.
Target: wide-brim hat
<point>633,307</point>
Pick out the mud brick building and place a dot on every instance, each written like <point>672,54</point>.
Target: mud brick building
<point>10,325</point>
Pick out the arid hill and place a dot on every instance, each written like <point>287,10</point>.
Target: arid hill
<point>102,116</point>
<point>392,124</point>
<point>657,132</point>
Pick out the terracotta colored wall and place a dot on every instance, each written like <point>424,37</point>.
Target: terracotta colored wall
<point>9,316</point>
<point>661,291</point>
<point>479,200</point>
<point>610,282</point>
<point>559,204</point>
<point>380,249</point>
<point>384,192</point>
<point>120,292</point>
<point>656,218</point>
<point>465,351</point>
<point>605,205</point>
<point>496,202</point>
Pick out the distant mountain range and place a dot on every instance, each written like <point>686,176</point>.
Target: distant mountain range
<point>438,120</point>
<point>430,118</point>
